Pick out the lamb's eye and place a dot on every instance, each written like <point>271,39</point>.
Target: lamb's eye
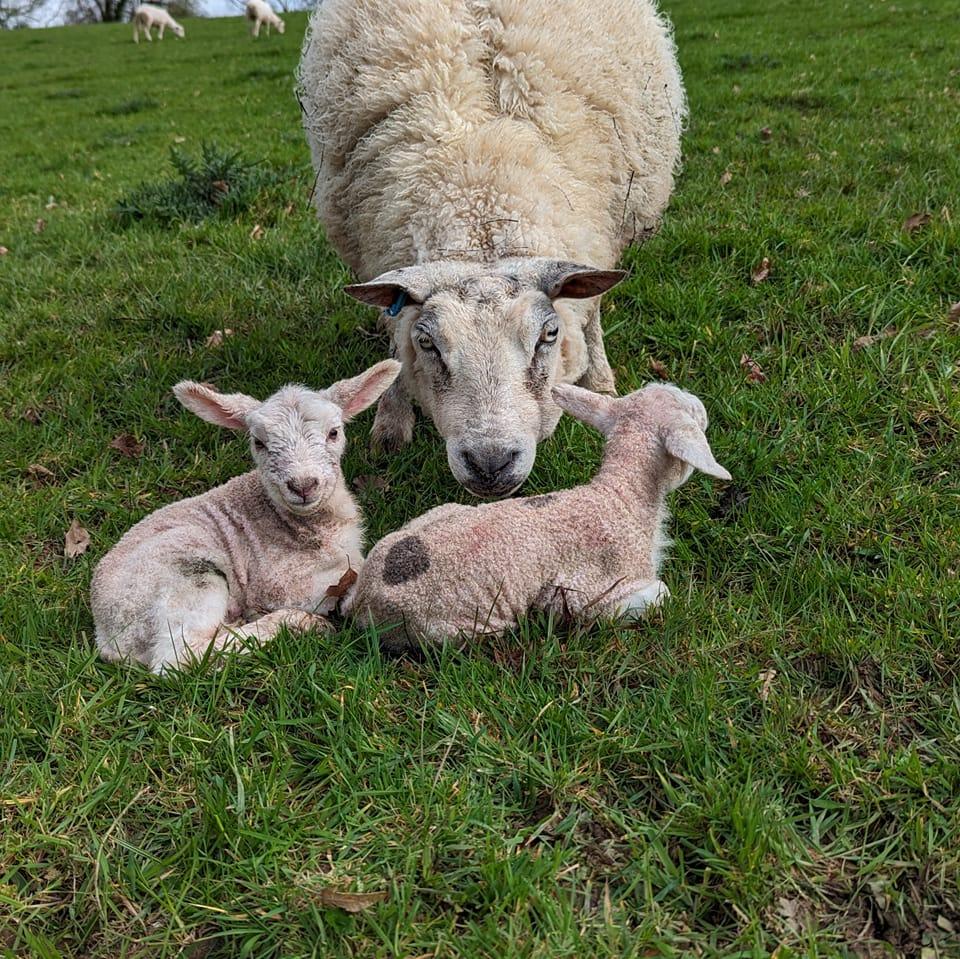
<point>426,343</point>
<point>549,333</point>
<point>333,434</point>
<point>259,444</point>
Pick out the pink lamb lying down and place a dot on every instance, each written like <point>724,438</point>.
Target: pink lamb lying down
<point>588,552</point>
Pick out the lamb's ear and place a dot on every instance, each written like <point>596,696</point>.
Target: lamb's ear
<point>592,408</point>
<point>222,409</point>
<point>356,394</point>
<point>688,442</point>
<point>561,280</point>
<point>391,291</point>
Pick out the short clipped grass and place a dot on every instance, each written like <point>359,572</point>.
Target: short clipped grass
<point>770,766</point>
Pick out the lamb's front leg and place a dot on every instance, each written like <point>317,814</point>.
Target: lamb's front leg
<point>267,626</point>
<point>598,376</point>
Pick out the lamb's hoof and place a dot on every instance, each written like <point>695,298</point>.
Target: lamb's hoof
<point>300,621</point>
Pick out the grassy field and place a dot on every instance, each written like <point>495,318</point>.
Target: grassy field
<point>771,765</point>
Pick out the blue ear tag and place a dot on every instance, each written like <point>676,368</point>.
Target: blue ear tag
<point>398,304</point>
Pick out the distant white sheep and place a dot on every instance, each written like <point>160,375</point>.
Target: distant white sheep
<point>147,16</point>
<point>248,557</point>
<point>581,553</point>
<point>259,13</point>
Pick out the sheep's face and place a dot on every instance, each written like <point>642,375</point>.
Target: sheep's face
<point>481,347</point>
<point>178,30</point>
<point>281,26</point>
<point>297,435</point>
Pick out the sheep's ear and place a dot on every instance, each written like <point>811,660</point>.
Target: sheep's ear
<point>222,409</point>
<point>356,394</point>
<point>592,408</point>
<point>391,291</point>
<point>561,280</point>
<point>688,442</point>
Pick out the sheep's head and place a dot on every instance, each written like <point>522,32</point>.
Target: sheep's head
<point>297,435</point>
<point>178,30</point>
<point>281,26</point>
<point>660,416</point>
<point>481,347</point>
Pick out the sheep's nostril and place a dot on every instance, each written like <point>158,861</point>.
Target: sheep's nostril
<point>492,464</point>
<point>304,488</point>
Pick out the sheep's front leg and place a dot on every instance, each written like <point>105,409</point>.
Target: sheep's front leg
<point>268,28</point>
<point>393,424</point>
<point>599,376</point>
<point>162,26</point>
<point>256,28</point>
<point>266,627</point>
<point>147,30</point>
<point>641,600</point>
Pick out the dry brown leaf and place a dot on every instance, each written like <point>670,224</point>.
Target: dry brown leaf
<point>76,541</point>
<point>351,901</point>
<point>32,415</point>
<point>658,369</point>
<point>760,272</point>
<point>366,481</point>
<point>766,133</point>
<point>220,186</point>
<point>953,314</point>
<point>862,342</point>
<point>766,683</point>
<point>40,225</point>
<point>127,445</point>
<point>754,373</point>
<point>725,178</point>
<point>39,474</point>
<point>3,251</point>
<point>339,589</point>
<point>916,222</point>
<point>288,209</point>
<point>217,337</point>
<point>257,232</point>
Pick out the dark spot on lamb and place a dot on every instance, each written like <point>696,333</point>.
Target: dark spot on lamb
<point>405,560</point>
<point>538,502</point>
<point>198,570</point>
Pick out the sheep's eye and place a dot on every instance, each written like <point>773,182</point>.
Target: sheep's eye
<point>549,334</point>
<point>333,434</point>
<point>259,444</point>
<point>426,343</point>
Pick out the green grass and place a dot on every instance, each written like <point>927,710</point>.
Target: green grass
<point>600,793</point>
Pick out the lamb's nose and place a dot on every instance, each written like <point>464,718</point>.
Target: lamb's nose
<point>304,487</point>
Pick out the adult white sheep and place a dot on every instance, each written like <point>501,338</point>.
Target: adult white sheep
<point>147,16</point>
<point>260,13</point>
<point>582,553</point>
<point>243,559</point>
<point>472,156</point>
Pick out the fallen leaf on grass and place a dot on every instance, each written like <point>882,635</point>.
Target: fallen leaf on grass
<point>366,481</point>
<point>257,232</point>
<point>754,373</point>
<point>3,251</point>
<point>766,133</point>
<point>221,187</point>
<point>51,204</point>
<point>658,369</point>
<point>953,316</point>
<point>40,225</point>
<point>76,541</point>
<point>39,474</point>
<point>32,415</point>
<point>339,589</point>
<point>916,222</point>
<point>217,337</point>
<point>725,178</point>
<point>288,209</point>
<point>351,901</point>
<point>766,683</point>
<point>761,272</point>
<point>127,445</point>
<point>862,342</point>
